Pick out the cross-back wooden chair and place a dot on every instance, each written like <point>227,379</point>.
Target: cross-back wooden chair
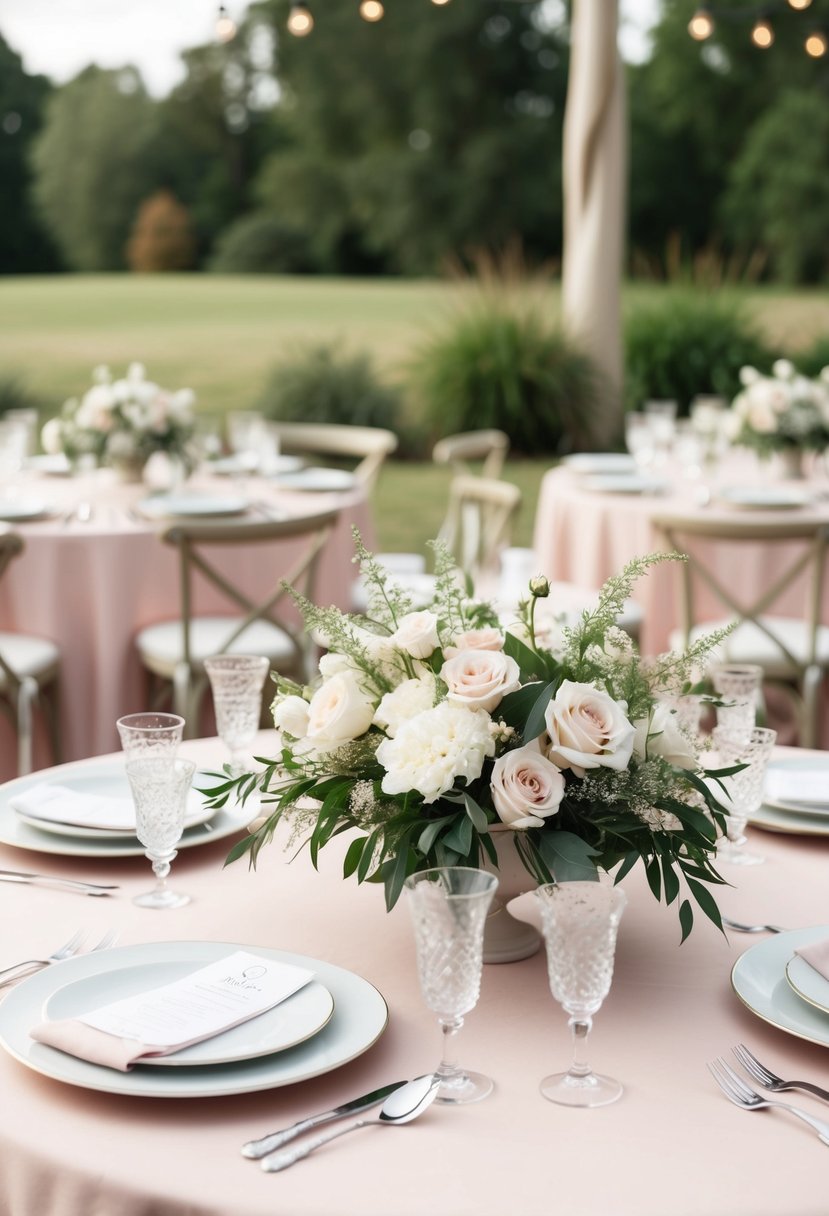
<point>467,447</point>
<point>29,669</point>
<point>793,651</point>
<point>479,522</point>
<point>369,445</point>
<point>174,651</point>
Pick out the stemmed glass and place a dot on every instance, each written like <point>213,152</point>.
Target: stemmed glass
<point>744,789</point>
<point>738,684</point>
<point>580,921</point>
<point>449,908</point>
<point>149,734</point>
<point>237,681</point>
<point>160,786</point>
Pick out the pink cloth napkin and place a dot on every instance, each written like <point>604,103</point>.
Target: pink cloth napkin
<point>817,955</point>
<point>96,1046</point>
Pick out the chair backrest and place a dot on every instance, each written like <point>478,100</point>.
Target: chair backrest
<point>194,540</point>
<point>479,522</point>
<point>11,546</point>
<point>807,540</point>
<point>370,445</point>
<point>491,447</point>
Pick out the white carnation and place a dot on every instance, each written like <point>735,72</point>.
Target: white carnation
<point>410,698</point>
<point>430,752</point>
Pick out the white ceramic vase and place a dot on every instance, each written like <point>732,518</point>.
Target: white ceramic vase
<point>507,940</point>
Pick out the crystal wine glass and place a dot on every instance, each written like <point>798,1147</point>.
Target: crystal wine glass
<point>159,790</point>
<point>744,789</point>
<point>237,681</point>
<point>449,908</point>
<point>738,684</point>
<point>150,734</point>
<point>580,922</point>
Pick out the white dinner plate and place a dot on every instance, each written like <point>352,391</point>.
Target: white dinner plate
<point>54,465</point>
<point>105,777</point>
<point>764,498</point>
<point>197,812</point>
<point>793,822</point>
<point>759,980</point>
<point>320,480</point>
<point>360,1017</point>
<point>291,1022</point>
<point>234,466</point>
<point>19,510</point>
<point>807,983</point>
<point>600,462</point>
<point>775,776</point>
<point>624,483</point>
<point>191,506</point>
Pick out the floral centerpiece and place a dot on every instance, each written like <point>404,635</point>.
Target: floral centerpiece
<point>781,412</point>
<point>427,729</point>
<point>123,422</point>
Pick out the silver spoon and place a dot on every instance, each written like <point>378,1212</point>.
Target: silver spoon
<point>402,1106</point>
<point>738,927</point>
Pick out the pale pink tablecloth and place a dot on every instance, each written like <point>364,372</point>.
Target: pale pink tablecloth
<point>672,1146</point>
<point>583,537</point>
<point>90,586</point>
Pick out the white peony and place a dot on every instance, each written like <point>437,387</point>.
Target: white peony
<point>588,729</point>
<point>475,639</point>
<point>480,678</point>
<point>340,710</point>
<point>292,714</point>
<point>52,436</point>
<point>430,752</point>
<point>417,634</point>
<point>526,787</point>
<point>659,735</point>
<point>410,698</point>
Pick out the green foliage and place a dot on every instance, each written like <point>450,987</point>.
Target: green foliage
<point>777,196</point>
<point>502,364</point>
<point>689,345</point>
<point>811,362</point>
<point>324,383</point>
<point>14,395</point>
<point>261,243</point>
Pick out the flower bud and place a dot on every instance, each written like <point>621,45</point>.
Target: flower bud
<point>539,587</point>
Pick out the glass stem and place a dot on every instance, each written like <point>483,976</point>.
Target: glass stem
<point>448,1060</point>
<point>580,1028</point>
<point>161,869</point>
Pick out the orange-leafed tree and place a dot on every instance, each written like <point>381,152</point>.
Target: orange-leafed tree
<point>162,236</point>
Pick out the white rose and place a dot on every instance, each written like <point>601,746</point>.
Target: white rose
<point>52,436</point>
<point>783,369</point>
<point>480,678</point>
<point>431,751</point>
<point>476,639</point>
<point>417,634</point>
<point>526,787</point>
<point>410,698</point>
<point>749,375</point>
<point>340,710</point>
<point>588,729</point>
<point>333,663</point>
<point>659,735</point>
<point>761,418</point>
<point>292,714</point>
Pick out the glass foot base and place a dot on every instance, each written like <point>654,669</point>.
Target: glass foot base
<point>590,1090</point>
<point>736,855</point>
<point>466,1087</point>
<point>161,900</point>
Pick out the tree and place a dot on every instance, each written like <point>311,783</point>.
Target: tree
<point>162,237</point>
<point>91,165</point>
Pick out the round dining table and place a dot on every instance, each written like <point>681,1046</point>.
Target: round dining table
<point>94,572</point>
<point>672,1144</point>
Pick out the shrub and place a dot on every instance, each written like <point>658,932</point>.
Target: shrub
<point>505,365</point>
<point>812,361</point>
<point>15,396</point>
<point>261,243</point>
<point>325,384</point>
<point>687,345</point>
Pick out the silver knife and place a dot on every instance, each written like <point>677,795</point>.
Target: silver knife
<point>52,880</point>
<point>255,1149</point>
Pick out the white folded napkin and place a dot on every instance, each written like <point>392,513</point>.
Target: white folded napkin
<point>59,804</point>
<point>807,786</point>
<point>165,1020</point>
<point>817,955</point>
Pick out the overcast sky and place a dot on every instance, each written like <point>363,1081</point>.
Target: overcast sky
<point>60,37</point>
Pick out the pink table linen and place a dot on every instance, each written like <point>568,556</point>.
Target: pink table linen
<point>91,586</point>
<point>672,1144</point>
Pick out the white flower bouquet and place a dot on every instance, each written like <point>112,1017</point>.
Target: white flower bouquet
<point>124,420</point>
<point>782,411</point>
<point>425,729</point>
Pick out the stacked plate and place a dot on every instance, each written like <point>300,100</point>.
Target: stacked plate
<point>191,506</point>
<point>782,988</point>
<point>765,498</point>
<point>796,797</point>
<point>326,1024</point>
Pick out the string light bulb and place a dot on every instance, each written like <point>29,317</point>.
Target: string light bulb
<point>799,5</point>
<point>701,25</point>
<point>225,25</point>
<point>762,35</point>
<point>371,10</point>
<point>300,19</point>
<point>816,44</point>
<point>440,2</point>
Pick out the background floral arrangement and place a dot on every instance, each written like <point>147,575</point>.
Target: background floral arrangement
<point>123,420</point>
<point>783,410</point>
<point>426,728</point>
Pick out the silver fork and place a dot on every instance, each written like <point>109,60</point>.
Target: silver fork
<point>8,974</point>
<point>769,1080</point>
<point>742,1095</point>
<point>739,927</point>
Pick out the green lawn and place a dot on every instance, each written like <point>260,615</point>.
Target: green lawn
<point>220,336</point>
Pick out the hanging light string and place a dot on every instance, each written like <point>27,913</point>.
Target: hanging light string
<point>704,20</point>
<point>301,20</point>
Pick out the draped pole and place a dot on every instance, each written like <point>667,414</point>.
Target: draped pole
<point>595,162</point>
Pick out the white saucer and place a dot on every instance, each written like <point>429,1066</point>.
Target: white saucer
<point>191,506</point>
<point>196,813</point>
<point>765,498</point>
<point>318,480</point>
